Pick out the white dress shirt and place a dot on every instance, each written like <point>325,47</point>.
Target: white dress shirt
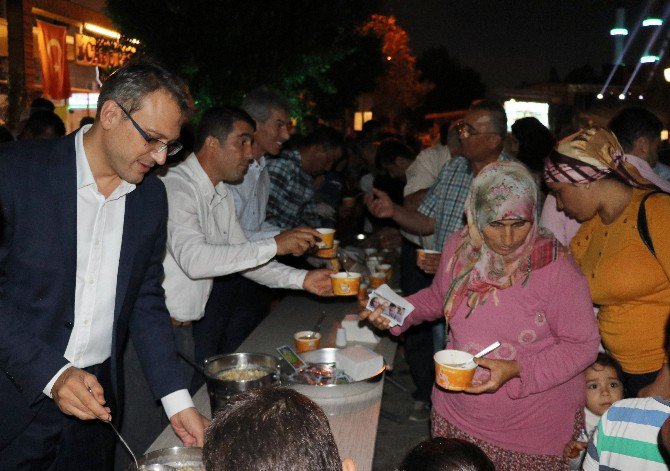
<point>421,175</point>
<point>251,200</point>
<point>99,235</point>
<point>205,240</point>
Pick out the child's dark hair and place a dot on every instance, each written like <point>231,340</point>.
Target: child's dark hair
<point>446,454</point>
<point>605,360</point>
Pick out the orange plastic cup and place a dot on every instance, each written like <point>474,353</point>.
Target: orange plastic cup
<point>386,268</point>
<point>421,254</point>
<point>454,369</point>
<point>345,284</point>
<point>329,253</point>
<point>327,238</point>
<point>306,340</point>
<point>377,279</point>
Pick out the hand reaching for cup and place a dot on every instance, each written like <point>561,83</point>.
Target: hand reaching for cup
<point>429,262</point>
<point>296,241</point>
<point>379,204</point>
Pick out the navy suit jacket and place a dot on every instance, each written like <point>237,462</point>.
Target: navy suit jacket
<point>38,254</point>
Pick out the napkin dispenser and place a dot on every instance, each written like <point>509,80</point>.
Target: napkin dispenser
<point>358,331</point>
<point>359,362</point>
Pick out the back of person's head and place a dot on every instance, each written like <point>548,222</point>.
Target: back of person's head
<point>218,122</point>
<point>310,123</point>
<point>130,84</point>
<point>535,142</point>
<point>260,103</point>
<point>446,454</point>
<point>389,150</point>
<point>632,123</point>
<point>371,130</point>
<point>496,112</point>
<point>324,136</point>
<point>5,135</point>
<point>444,133</point>
<point>86,120</point>
<point>41,104</point>
<point>270,429</point>
<point>42,125</point>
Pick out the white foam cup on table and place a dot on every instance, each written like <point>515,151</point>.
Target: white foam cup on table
<point>341,338</point>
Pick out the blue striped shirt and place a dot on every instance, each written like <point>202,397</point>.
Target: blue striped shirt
<point>627,437</point>
<point>445,201</point>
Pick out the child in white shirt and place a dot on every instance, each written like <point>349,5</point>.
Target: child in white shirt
<point>603,388</point>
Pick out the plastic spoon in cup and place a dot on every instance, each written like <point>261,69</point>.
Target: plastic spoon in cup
<point>482,353</point>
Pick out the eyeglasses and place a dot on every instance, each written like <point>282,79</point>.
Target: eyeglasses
<point>171,147</point>
<point>465,130</point>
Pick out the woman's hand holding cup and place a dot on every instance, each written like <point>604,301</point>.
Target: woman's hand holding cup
<point>501,372</point>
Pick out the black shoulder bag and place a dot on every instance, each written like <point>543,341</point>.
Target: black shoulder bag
<point>642,227</point>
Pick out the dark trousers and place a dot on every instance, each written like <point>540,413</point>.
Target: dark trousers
<point>57,442</point>
<point>419,338</point>
<point>634,382</point>
<point>235,307</point>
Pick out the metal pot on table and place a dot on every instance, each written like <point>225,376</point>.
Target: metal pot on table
<point>220,390</point>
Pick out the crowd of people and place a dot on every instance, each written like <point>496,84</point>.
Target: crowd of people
<point>117,232</point>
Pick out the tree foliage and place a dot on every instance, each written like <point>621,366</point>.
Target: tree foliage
<point>225,48</point>
<point>400,86</point>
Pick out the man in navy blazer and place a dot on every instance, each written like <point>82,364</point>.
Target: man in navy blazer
<point>82,239</point>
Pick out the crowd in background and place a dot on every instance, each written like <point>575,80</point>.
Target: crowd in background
<point>527,235</point>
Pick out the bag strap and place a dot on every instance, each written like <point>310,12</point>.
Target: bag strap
<point>642,226</point>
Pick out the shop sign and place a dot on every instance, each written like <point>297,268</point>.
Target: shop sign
<point>101,52</point>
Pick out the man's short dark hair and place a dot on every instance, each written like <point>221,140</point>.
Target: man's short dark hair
<point>218,122</point>
<point>497,112</point>
<point>138,78</point>
<point>43,124</point>
<point>323,136</point>
<point>270,429</point>
<point>260,103</point>
<point>633,123</point>
<point>389,150</point>
<point>446,454</point>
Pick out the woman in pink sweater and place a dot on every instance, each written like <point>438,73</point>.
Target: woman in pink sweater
<point>505,278</point>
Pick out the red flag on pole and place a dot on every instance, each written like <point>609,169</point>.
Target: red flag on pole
<point>53,56</point>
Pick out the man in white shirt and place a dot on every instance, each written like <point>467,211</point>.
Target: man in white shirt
<point>83,233</point>
<point>205,238</point>
<point>237,304</point>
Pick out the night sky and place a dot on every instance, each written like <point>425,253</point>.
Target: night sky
<point>512,41</point>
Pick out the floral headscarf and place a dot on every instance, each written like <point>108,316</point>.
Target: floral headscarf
<point>594,153</point>
<point>501,190</point>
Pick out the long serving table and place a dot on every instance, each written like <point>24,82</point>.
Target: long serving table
<point>353,420</point>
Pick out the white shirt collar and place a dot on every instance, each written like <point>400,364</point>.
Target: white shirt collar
<point>212,193</point>
<point>84,174</point>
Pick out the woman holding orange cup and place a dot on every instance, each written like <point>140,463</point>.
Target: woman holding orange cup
<point>505,278</point>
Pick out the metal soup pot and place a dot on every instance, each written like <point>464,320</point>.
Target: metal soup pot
<point>168,459</point>
<point>220,390</point>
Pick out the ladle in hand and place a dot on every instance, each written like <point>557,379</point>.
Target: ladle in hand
<point>137,466</point>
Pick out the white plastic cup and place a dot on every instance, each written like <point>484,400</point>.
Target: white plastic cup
<point>341,338</point>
